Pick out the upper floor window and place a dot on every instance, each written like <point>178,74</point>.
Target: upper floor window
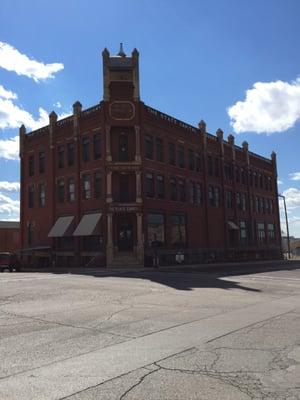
<point>181,185</point>
<point>42,195</point>
<point>217,197</point>
<point>198,162</point>
<point>123,147</point>
<point>181,161</point>
<point>71,190</point>
<point>160,186</point>
<point>149,185</point>
<point>238,201</point>
<point>31,195</point>
<point>192,161</point>
<point>149,148</point>
<point>31,165</point>
<point>98,185</point>
<point>228,172</point>
<point>210,167</point>
<point>61,190</point>
<point>178,230</point>
<point>243,202</point>
<point>41,162</point>
<point>229,202</point>
<point>172,156</point>
<point>61,156</point>
<point>30,233</point>
<point>192,192</point>
<point>97,146</point>
<point>270,184</point>
<point>85,149</point>
<point>211,196</point>
<point>243,176</point>
<point>159,150</point>
<point>86,187</point>
<point>237,174</point>
<point>250,178</point>
<point>71,154</point>
<point>198,197</point>
<point>173,187</point>
<point>255,178</point>
<point>261,184</point>
<point>261,232</point>
<point>243,232</point>
<point>271,232</point>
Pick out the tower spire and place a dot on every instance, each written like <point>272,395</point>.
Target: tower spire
<point>121,51</point>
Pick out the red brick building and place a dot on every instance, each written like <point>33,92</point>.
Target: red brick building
<point>9,236</point>
<point>120,181</point>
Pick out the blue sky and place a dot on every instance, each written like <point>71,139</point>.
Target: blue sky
<point>236,64</point>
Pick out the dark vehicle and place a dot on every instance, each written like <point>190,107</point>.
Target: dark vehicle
<point>9,261</point>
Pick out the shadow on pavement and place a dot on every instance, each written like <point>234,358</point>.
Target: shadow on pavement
<point>189,277</point>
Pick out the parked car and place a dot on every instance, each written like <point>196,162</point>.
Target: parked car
<point>9,261</point>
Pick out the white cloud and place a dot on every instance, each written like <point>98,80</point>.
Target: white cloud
<point>292,197</point>
<point>9,208</point>
<point>9,148</point>
<point>295,176</point>
<point>10,186</point>
<point>7,94</point>
<point>279,182</point>
<point>57,104</point>
<point>269,107</point>
<point>12,60</point>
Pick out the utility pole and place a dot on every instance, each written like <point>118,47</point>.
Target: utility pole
<point>287,226</point>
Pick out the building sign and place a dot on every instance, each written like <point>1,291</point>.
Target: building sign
<point>124,208</point>
<point>122,110</point>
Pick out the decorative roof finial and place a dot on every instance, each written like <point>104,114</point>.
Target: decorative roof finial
<point>121,51</point>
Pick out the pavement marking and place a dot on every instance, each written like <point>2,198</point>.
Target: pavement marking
<point>66,377</point>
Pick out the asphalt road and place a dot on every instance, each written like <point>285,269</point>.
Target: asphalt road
<point>151,334</point>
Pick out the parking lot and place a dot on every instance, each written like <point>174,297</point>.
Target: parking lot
<point>171,334</point>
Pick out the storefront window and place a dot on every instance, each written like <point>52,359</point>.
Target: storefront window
<point>156,229</point>
<point>178,231</point>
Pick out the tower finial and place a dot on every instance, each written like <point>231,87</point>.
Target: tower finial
<point>121,51</point>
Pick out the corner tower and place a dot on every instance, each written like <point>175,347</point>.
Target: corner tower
<point>121,76</point>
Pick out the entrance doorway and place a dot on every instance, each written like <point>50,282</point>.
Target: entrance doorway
<point>125,234</point>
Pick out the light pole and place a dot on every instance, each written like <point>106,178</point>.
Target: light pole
<point>287,225</point>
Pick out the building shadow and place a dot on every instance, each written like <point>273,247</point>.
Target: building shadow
<point>187,277</point>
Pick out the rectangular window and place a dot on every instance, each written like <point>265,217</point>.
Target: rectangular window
<point>156,229</point>
<point>192,160</point>
<point>228,172</point>
<point>266,182</point>
<point>31,196</point>
<point>71,154</point>
<point>243,232</point>
<point>271,232</point>
<point>31,165</point>
<point>198,162</point>
<point>160,186</point>
<point>243,202</point>
<point>149,147</point>
<point>178,230</point>
<point>238,201</point>
<point>181,161</point>
<point>272,207</point>
<point>250,178</point>
<point>210,167</point>
<point>86,188</point>
<point>192,192</point>
<point>85,149</point>
<point>41,162</point>
<point>61,190</point>
<point>97,185</point>
<point>257,204</point>
<point>42,195</point>
<point>261,184</point>
<point>172,156</point>
<point>270,184</point>
<point>198,193</point>
<point>159,150</point>
<point>149,185</point>
<point>71,190</point>
<point>255,177</point>
<point>243,176</point>
<point>97,146</point>
<point>173,187</point>
<point>211,195</point>
<point>181,185</point>
<point>261,233</point>
<point>61,156</point>
<point>229,202</point>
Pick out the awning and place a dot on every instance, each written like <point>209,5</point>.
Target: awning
<point>232,225</point>
<point>61,226</point>
<point>87,225</point>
